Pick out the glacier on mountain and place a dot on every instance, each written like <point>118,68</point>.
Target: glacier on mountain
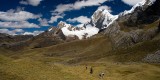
<point>80,33</point>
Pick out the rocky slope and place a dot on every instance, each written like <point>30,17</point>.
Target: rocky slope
<point>6,39</point>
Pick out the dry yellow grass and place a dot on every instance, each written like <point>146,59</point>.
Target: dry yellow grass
<point>49,63</point>
<point>43,68</point>
<point>113,71</point>
<point>28,69</point>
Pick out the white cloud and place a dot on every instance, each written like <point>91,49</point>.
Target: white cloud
<point>61,8</point>
<point>55,18</point>
<point>23,2</point>
<point>80,19</point>
<point>134,2</point>
<point>43,22</point>
<point>105,7</point>
<point>19,24</point>
<point>11,32</point>
<point>30,2</point>
<point>131,2</point>
<point>77,5</point>
<point>12,15</point>
<point>17,18</point>
<point>19,31</point>
<point>85,3</point>
<point>35,33</point>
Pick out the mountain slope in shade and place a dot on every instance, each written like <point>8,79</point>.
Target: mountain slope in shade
<point>143,5</point>
<point>138,26</point>
<point>146,11</point>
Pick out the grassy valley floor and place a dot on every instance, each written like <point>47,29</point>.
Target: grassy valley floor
<point>63,62</point>
<point>50,69</point>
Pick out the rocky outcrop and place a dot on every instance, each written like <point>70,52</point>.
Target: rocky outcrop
<point>152,58</point>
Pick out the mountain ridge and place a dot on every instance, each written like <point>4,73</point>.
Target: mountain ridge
<point>101,19</point>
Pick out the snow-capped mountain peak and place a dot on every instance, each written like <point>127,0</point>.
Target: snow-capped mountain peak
<point>102,18</point>
<point>100,13</point>
<point>71,31</point>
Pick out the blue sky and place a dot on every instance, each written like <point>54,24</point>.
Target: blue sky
<point>35,16</point>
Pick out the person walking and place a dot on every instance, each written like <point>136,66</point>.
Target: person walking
<point>91,70</point>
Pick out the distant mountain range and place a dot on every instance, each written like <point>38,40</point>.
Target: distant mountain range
<point>139,24</point>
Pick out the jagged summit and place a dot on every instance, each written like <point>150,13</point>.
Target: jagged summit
<point>102,18</point>
<point>99,14</point>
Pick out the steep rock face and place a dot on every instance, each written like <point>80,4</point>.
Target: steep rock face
<point>144,12</point>
<point>130,29</point>
<point>150,15</point>
<point>102,19</point>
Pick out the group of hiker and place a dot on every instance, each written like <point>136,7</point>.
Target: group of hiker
<point>101,75</point>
